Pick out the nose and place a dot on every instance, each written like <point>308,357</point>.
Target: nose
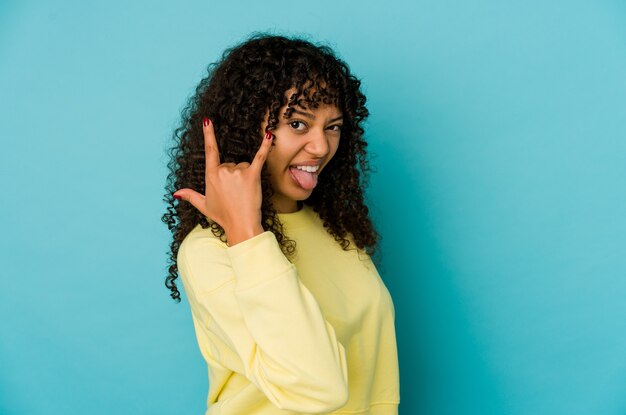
<point>317,144</point>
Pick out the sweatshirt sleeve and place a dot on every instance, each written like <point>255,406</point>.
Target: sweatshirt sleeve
<point>268,318</point>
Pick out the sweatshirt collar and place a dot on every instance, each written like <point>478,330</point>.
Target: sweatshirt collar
<point>299,219</point>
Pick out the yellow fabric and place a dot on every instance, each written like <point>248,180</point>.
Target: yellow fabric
<point>309,337</point>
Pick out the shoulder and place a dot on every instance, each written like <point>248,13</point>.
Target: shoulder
<point>203,261</point>
<point>198,240</point>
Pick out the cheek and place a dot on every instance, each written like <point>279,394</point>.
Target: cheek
<point>279,158</point>
<point>334,146</point>
<point>274,160</point>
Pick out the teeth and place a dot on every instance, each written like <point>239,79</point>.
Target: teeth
<point>310,169</point>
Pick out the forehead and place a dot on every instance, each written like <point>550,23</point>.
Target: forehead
<point>322,110</point>
<point>313,93</point>
<point>310,100</point>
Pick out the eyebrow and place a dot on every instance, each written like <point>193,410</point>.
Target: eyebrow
<point>312,117</point>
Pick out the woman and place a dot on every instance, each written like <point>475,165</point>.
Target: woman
<point>272,238</point>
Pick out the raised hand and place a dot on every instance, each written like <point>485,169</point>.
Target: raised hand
<point>233,195</point>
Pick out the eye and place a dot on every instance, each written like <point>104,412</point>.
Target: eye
<point>337,127</point>
<point>294,124</point>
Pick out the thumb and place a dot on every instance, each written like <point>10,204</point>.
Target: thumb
<point>193,197</point>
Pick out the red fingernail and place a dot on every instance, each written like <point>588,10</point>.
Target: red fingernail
<point>178,197</point>
<point>205,121</point>
<point>268,135</point>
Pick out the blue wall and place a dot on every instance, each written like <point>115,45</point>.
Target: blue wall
<point>498,132</point>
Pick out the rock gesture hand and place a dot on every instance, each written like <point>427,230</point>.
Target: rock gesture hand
<point>232,196</point>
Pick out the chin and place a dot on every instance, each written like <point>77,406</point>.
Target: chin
<point>300,194</point>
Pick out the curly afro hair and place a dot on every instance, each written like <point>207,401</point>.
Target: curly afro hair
<point>250,81</point>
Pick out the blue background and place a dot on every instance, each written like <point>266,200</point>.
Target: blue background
<point>497,129</point>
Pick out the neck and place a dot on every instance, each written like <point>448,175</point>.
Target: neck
<point>290,208</point>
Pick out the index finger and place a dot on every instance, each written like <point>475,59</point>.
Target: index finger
<point>211,152</point>
<point>261,155</point>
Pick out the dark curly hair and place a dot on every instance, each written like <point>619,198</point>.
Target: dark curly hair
<point>248,82</point>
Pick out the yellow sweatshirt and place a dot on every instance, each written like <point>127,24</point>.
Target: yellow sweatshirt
<point>309,337</point>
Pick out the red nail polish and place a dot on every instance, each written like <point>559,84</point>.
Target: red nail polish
<point>268,135</point>
<point>205,121</point>
<point>178,197</point>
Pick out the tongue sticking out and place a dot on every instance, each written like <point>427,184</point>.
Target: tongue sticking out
<point>305,179</point>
